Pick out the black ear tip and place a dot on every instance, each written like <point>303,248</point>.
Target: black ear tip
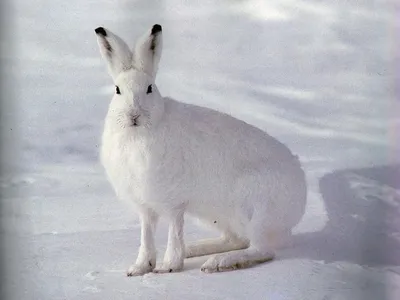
<point>156,29</point>
<point>101,31</point>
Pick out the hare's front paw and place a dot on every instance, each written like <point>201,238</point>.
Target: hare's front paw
<point>169,268</point>
<point>141,269</point>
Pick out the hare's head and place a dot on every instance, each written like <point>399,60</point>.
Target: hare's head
<point>133,72</point>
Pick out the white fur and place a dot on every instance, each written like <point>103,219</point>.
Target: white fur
<point>184,159</point>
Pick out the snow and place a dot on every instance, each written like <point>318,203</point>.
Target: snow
<point>319,75</point>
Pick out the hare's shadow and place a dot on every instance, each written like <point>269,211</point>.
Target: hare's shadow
<point>363,208</point>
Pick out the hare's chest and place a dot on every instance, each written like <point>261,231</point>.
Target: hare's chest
<point>125,160</point>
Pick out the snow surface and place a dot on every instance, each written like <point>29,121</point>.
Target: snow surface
<point>319,75</point>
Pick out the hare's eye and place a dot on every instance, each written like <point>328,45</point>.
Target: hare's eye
<point>117,91</point>
<point>149,89</point>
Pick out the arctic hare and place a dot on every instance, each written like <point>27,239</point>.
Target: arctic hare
<point>169,158</point>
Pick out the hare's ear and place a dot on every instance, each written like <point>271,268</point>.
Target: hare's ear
<point>115,51</point>
<point>147,52</point>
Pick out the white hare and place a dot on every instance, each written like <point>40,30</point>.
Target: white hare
<point>169,158</point>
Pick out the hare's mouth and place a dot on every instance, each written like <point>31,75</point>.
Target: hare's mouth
<point>135,120</point>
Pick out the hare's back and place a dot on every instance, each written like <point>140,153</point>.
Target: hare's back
<point>211,130</point>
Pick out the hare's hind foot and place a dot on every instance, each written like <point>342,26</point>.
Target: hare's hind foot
<point>234,260</point>
<point>263,243</point>
<point>217,245</point>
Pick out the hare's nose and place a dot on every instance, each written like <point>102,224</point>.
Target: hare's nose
<point>135,120</point>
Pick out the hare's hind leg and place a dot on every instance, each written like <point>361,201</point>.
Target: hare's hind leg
<point>227,242</point>
<point>261,249</point>
<point>146,260</point>
<point>238,259</point>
